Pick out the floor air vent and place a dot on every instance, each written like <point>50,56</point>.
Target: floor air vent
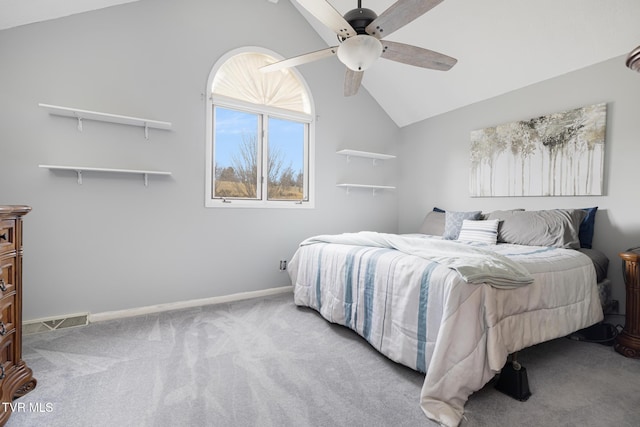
<point>45,325</point>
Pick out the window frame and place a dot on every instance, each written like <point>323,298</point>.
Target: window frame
<point>265,112</point>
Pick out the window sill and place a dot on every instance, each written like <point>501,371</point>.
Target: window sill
<point>257,204</point>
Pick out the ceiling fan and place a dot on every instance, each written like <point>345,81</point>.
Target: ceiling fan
<point>360,32</point>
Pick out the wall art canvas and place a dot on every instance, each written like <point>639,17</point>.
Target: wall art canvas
<point>560,154</point>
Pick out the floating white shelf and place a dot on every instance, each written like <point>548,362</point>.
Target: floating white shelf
<point>106,117</point>
<point>370,155</point>
<point>367,186</point>
<point>79,169</point>
<point>365,154</point>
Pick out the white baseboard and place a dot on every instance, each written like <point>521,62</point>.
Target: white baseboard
<point>82,319</point>
<point>119,314</point>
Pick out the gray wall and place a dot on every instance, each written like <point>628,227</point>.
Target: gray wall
<point>112,243</point>
<point>436,152</point>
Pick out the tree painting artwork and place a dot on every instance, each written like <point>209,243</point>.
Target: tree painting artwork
<point>560,154</point>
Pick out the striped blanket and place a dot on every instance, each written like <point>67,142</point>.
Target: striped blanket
<point>420,312</point>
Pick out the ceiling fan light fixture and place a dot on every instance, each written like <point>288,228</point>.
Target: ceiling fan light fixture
<point>359,52</point>
<point>633,60</point>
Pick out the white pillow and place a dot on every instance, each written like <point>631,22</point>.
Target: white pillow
<point>479,231</point>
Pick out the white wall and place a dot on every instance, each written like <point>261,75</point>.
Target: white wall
<point>434,156</point>
<point>112,243</point>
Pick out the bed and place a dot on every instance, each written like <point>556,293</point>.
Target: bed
<point>455,304</point>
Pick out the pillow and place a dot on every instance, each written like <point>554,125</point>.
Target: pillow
<point>479,231</point>
<point>433,223</point>
<point>600,262</point>
<point>557,227</point>
<point>453,223</point>
<point>486,215</point>
<point>586,228</point>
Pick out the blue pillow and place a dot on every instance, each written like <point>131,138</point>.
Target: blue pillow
<point>586,228</point>
<point>453,223</point>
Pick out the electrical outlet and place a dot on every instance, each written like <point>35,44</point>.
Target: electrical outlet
<point>283,265</point>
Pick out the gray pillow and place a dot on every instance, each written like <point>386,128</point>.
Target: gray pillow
<point>486,215</point>
<point>556,227</point>
<point>453,222</point>
<point>600,262</point>
<point>433,224</point>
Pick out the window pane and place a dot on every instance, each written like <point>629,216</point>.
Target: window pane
<point>236,153</point>
<point>286,162</point>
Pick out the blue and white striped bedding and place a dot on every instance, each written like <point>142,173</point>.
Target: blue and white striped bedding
<point>422,314</point>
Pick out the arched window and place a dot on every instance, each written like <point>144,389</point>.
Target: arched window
<point>259,134</point>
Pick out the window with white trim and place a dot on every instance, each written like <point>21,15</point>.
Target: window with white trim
<point>259,134</point>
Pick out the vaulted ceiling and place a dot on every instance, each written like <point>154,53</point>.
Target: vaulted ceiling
<point>14,13</point>
<point>501,45</point>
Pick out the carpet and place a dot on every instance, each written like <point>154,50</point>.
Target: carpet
<point>267,362</point>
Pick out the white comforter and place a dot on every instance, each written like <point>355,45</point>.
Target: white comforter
<point>474,264</point>
<point>423,314</point>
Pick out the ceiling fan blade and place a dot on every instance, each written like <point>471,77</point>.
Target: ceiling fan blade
<point>417,56</point>
<point>352,80</point>
<point>398,15</point>
<point>299,60</point>
<point>330,17</point>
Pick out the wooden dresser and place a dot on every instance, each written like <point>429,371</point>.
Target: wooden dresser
<point>16,378</point>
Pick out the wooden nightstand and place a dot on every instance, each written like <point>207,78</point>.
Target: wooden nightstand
<point>628,342</point>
